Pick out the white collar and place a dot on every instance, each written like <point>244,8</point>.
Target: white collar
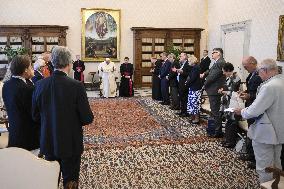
<point>19,77</point>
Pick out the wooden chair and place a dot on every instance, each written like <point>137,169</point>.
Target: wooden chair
<point>19,168</point>
<point>277,182</point>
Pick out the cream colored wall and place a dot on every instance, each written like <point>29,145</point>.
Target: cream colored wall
<point>264,28</point>
<point>134,13</point>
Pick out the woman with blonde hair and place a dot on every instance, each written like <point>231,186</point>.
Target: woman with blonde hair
<point>194,84</point>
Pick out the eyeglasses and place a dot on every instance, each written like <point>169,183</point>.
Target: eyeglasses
<point>259,69</point>
<point>214,52</point>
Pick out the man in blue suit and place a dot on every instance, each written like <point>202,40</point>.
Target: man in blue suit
<point>60,104</point>
<point>164,72</point>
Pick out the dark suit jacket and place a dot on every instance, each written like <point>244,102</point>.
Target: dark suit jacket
<point>215,79</point>
<point>173,75</point>
<point>252,83</point>
<point>194,83</point>
<point>157,67</point>
<point>60,104</point>
<point>183,76</point>
<point>17,97</point>
<point>204,64</point>
<point>165,69</point>
<point>37,77</point>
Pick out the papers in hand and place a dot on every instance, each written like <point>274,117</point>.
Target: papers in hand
<point>229,110</point>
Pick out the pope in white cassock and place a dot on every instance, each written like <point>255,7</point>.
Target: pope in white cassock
<point>107,72</point>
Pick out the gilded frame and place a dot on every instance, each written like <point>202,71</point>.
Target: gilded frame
<point>280,47</point>
<point>100,34</point>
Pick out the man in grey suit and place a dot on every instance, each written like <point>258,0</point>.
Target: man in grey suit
<point>267,132</point>
<point>214,81</point>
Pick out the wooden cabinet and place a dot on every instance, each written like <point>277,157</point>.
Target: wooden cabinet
<point>36,38</point>
<point>151,42</point>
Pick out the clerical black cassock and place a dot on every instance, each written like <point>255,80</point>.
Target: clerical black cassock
<point>79,67</point>
<point>156,81</point>
<point>126,84</point>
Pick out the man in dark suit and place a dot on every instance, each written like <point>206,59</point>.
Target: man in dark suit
<point>60,104</point>
<point>175,102</point>
<point>165,70</point>
<point>183,73</point>
<point>214,81</point>
<point>252,82</point>
<point>156,81</point>
<point>204,63</point>
<point>38,67</point>
<point>17,96</point>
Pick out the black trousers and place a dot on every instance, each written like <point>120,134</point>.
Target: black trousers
<point>174,97</point>
<point>250,152</point>
<point>215,103</point>
<point>231,131</point>
<point>183,96</point>
<point>165,90</point>
<point>70,167</point>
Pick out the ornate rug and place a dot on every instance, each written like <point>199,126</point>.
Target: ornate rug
<point>123,122</point>
<point>138,143</point>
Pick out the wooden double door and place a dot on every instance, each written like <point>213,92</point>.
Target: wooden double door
<point>151,42</point>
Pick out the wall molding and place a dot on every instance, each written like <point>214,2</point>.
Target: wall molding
<point>235,27</point>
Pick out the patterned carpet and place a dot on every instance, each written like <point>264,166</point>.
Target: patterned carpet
<point>138,143</point>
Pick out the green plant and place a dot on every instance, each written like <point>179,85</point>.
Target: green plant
<point>172,49</point>
<point>11,53</point>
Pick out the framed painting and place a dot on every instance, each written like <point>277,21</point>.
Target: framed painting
<point>280,48</point>
<point>100,34</point>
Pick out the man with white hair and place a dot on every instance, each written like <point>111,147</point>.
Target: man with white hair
<point>61,106</point>
<point>107,71</point>
<point>267,132</point>
<point>38,69</point>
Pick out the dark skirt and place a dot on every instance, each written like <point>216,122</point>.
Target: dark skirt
<point>156,88</point>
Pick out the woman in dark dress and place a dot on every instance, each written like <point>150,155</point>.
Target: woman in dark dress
<point>17,97</point>
<point>194,93</point>
<point>156,81</point>
<point>126,83</point>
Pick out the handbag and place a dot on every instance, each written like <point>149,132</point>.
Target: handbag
<point>187,80</point>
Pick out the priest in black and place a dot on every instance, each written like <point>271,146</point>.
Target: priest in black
<point>156,81</point>
<point>78,67</point>
<point>17,96</point>
<point>126,83</point>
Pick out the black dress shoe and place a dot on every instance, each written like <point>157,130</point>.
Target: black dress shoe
<point>228,145</point>
<point>251,165</point>
<point>174,108</point>
<point>246,157</point>
<point>221,135</point>
<point>182,115</point>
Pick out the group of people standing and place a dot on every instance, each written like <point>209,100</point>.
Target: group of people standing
<point>177,83</point>
<point>48,114</point>
<point>180,84</point>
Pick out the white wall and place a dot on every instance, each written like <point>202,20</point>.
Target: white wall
<point>264,29</point>
<point>134,13</point>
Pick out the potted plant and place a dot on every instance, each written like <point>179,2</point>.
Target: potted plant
<point>11,53</point>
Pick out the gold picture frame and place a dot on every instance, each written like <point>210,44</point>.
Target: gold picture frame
<point>100,34</point>
<point>280,47</point>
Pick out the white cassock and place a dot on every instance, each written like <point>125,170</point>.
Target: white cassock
<point>107,72</point>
